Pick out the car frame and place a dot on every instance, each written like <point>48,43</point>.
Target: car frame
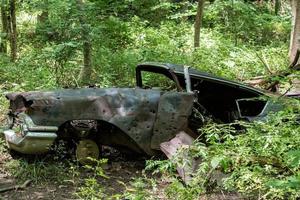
<point>130,119</point>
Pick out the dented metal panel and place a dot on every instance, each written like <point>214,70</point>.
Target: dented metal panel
<point>131,110</point>
<point>134,111</point>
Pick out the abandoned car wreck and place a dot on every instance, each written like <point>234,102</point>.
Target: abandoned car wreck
<point>136,119</point>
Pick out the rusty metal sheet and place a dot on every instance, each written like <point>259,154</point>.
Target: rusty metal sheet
<point>171,148</point>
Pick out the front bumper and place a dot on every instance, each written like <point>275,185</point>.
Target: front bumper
<point>30,138</point>
<point>31,143</point>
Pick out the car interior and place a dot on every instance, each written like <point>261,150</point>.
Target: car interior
<point>218,100</point>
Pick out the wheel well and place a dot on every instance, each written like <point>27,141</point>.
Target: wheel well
<point>103,132</point>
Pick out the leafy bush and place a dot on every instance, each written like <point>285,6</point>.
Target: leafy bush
<point>262,161</point>
<point>247,23</point>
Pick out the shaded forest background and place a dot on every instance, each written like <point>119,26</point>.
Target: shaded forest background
<point>47,43</point>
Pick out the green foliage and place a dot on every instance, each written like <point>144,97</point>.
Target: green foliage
<point>2,145</point>
<point>38,171</point>
<point>91,188</point>
<point>266,157</point>
<point>140,189</point>
<point>50,47</point>
<point>262,161</point>
<point>247,23</point>
<point>157,166</point>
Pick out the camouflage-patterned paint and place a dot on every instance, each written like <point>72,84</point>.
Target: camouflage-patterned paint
<point>135,111</point>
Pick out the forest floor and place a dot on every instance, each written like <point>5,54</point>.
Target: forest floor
<point>119,173</point>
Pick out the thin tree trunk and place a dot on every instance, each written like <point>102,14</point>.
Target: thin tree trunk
<point>86,71</point>
<point>42,20</point>
<point>277,6</point>
<point>4,22</point>
<point>87,63</point>
<point>198,23</point>
<point>43,17</point>
<point>13,31</point>
<point>295,34</point>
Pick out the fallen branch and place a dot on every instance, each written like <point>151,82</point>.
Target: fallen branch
<point>265,63</point>
<point>269,82</point>
<point>273,87</point>
<point>16,187</point>
<point>255,82</point>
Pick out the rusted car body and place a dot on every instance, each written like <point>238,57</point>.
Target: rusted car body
<point>130,119</point>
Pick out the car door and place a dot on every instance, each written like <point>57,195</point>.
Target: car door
<point>174,108</point>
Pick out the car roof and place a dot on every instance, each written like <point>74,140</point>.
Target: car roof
<point>179,70</point>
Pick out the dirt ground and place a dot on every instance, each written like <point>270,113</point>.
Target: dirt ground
<point>119,171</point>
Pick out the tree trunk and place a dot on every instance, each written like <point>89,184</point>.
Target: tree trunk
<point>86,71</point>
<point>198,23</point>
<point>4,22</point>
<point>295,34</point>
<point>42,20</point>
<point>13,31</point>
<point>277,6</point>
<point>87,63</point>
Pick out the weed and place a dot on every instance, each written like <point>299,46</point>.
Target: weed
<point>261,162</point>
<point>141,188</point>
<point>91,189</point>
<point>38,171</point>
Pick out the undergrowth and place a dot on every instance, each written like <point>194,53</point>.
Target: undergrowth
<point>91,189</point>
<point>258,160</point>
<point>39,171</point>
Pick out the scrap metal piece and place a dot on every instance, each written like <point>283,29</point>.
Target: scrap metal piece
<point>294,91</point>
<point>26,137</point>
<point>171,149</point>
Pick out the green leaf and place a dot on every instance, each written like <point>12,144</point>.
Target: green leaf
<point>215,162</point>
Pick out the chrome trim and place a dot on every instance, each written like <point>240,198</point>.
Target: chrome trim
<point>31,143</point>
<point>33,127</point>
<point>29,138</point>
<point>187,79</point>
